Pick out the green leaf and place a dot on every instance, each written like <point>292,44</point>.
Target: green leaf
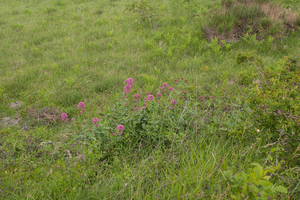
<point>280,189</point>
<point>253,189</point>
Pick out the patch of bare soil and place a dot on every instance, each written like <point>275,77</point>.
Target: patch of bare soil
<point>47,116</point>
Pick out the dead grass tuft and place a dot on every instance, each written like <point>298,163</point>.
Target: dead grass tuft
<point>45,115</point>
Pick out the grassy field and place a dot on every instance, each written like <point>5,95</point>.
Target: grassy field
<point>55,54</point>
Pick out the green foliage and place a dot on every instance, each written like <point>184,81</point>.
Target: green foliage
<point>254,184</point>
<point>275,109</point>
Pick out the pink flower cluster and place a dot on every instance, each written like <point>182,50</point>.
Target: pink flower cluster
<point>150,97</point>
<point>173,102</point>
<point>127,89</point>
<point>121,129</point>
<point>95,121</point>
<point>64,117</point>
<point>80,106</point>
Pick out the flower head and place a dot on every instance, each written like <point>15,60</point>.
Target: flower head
<point>145,104</point>
<point>182,78</point>
<point>165,90</point>
<point>185,80</point>
<point>143,108</point>
<point>148,93</point>
<point>150,97</point>
<point>81,105</point>
<point>64,116</point>
<point>171,89</point>
<point>120,128</point>
<point>171,107</point>
<point>175,80</point>
<point>165,85</point>
<point>136,108</point>
<point>113,134</point>
<point>129,81</point>
<point>134,100</point>
<point>119,133</point>
<point>137,96</point>
<point>183,92</point>
<point>95,120</point>
<point>173,102</point>
<point>201,97</point>
<point>158,94</point>
<point>127,89</point>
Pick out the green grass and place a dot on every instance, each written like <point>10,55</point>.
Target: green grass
<point>55,54</point>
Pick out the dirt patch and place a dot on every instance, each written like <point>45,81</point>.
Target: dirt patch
<point>47,116</point>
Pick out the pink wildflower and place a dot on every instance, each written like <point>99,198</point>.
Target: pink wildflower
<point>95,120</point>
<point>120,128</point>
<point>185,80</point>
<point>119,133</point>
<point>171,107</point>
<point>84,122</point>
<point>148,93</point>
<point>213,96</point>
<point>171,89</point>
<point>134,100</point>
<point>145,99</point>
<point>83,110</point>
<point>143,108</point>
<point>165,85</point>
<point>158,94</point>
<point>175,80</point>
<point>161,88</point>
<point>150,97</point>
<point>137,96</point>
<point>145,104</point>
<point>182,78</point>
<point>201,97</point>
<point>67,119</point>
<point>173,102</point>
<point>183,92</point>
<point>165,90</point>
<point>129,81</point>
<point>113,134</point>
<point>136,108</point>
<point>96,125</point>
<point>91,130</point>
<point>64,116</point>
<point>127,89</point>
<point>81,105</point>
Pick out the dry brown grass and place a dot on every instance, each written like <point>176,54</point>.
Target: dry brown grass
<point>275,12</point>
